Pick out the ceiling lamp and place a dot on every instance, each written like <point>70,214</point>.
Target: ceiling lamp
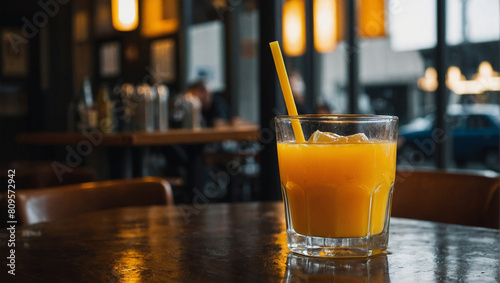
<point>371,18</point>
<point>125,14</point>
<point>325,25</point>
<point>294,27</point>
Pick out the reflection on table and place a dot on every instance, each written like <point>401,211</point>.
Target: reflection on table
<point>305,269</point>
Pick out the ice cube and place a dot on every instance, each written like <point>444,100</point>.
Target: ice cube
<point>323,137</point>
<point>356,138</point>
<point>326,137</point>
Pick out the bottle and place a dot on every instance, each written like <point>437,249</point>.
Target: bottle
<point>153,92</point>
<point>106,120</point>
<point>77,114</point>
<point>118,108</point>
<point>89,104</point>
<point>127,93</point>
<point>143,112</point>
<point>192,114</point>
<point>177,111</point>
<point>187,111</point>
<point>162,106</point>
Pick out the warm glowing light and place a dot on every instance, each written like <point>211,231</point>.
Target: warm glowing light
<point>159,17</point>
<point>125,14</point>
<point>294,27</point>
<point>372,18</point>
<point>429,81</point>
<point>485,70</point>
<point>486,79</point>
<point>457,83</point>
<point>454,75</point>
<point>325,25</point>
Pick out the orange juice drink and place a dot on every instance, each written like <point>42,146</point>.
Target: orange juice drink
<point>337,189</point>
<point>337,182</point>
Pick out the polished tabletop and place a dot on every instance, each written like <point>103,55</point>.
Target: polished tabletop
<point>243,242</point>
<point>247,132</point>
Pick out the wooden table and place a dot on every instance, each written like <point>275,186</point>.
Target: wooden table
<point>243,242</point>
<point>169,137</point>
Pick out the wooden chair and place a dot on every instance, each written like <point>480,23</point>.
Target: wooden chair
<point>449,197</point>
<point>48,204</point>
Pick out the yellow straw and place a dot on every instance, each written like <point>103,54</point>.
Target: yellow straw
<point>287,91</point>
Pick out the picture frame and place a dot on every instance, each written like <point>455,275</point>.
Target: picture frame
<point>14,53</point>
<point>162,60</point>
<point>110,59</point>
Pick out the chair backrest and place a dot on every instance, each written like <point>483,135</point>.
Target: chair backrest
<point>32,174</point>
<point>449,197</point>
<point>48,204</point>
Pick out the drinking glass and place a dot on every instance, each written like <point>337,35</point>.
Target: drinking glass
<point>337,182</point>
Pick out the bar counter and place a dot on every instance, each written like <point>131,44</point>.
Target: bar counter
<point>169,137</point>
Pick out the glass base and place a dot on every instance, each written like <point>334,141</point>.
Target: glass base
<point>337,247</point>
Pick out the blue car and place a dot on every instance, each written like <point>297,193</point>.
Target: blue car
<point>474,129</point>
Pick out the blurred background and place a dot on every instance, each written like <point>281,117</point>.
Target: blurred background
<point>433,63</point>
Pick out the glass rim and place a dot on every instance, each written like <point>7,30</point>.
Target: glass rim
<point>340,117</point>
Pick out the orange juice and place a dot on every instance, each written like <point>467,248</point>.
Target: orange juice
<point>337,190</point>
